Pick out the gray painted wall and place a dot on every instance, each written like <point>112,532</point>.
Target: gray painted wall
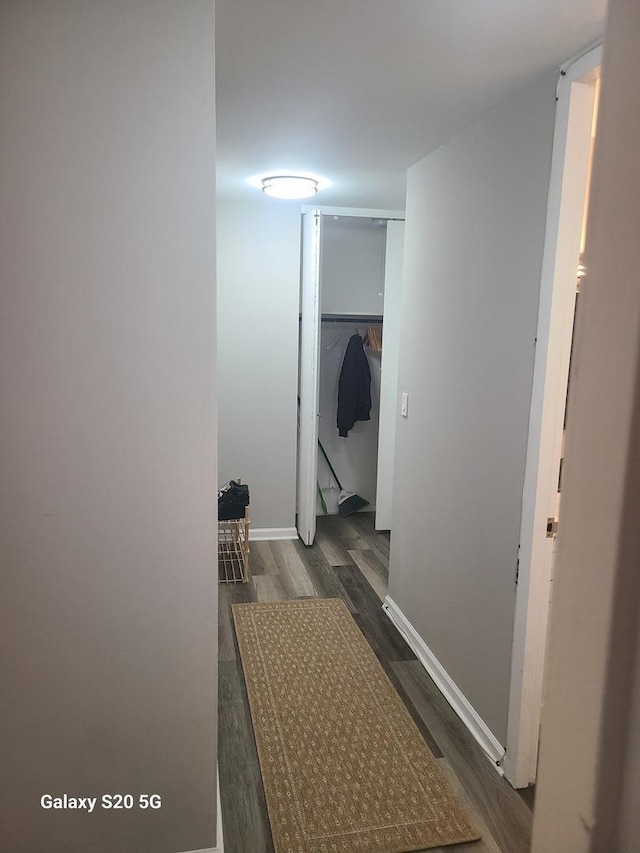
<point>107,461</point>
<point>258,307</point>
<point>629,821</point>
<point>473,249</point>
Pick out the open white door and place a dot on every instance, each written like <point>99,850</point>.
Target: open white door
<point>565,214</point>
<point>309,376</point>
<point>389,378</point>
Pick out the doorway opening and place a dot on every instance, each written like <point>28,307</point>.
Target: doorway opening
<point>351,279</point>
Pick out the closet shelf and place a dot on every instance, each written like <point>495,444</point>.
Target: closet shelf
<point>351,318</point>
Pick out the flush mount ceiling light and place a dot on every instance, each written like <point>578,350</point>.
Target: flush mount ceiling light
<point>289,186</point>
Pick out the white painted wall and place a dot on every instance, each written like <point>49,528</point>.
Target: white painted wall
<point>473,250</point>
<point>258,307</point>
<point>353,251</point>
<point>107,460</point>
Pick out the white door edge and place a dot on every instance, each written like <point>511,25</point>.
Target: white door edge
<point>389,374</point>
<point>309,375</point>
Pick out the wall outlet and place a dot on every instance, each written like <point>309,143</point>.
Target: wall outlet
<point>404,405</point>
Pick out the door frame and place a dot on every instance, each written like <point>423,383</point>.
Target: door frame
<point>309,372</point>
<point>565,212</point>
<point>307,471</point>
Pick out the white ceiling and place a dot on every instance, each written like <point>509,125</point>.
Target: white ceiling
<point>356,91</point>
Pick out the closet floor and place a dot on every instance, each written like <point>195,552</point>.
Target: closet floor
<point>350,561</point>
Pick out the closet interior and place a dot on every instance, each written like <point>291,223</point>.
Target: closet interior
<point>351,303</point>
<point>352,277</point>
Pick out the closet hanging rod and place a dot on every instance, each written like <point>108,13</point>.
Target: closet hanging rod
<point>351,318</point>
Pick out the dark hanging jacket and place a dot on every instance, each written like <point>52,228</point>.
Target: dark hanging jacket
<point>354,387</point>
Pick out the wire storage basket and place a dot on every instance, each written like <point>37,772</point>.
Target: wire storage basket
<point>233,550</point>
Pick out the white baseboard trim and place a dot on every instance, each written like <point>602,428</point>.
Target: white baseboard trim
<point>219,837</point>
<point>262,534</point>
<point>367,508</point>
<point>205,850</point>
<point>447,686</point>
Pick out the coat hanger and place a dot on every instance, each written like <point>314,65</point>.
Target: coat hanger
<point>337,340</point>
<point>372,340</point>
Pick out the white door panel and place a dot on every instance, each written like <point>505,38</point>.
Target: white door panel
<point>309,376</point>
<point>389,378</point>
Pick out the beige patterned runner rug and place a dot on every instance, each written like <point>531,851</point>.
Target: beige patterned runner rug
<point>345,768</point>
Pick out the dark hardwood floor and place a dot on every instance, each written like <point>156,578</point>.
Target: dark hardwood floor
<point>350,560</point>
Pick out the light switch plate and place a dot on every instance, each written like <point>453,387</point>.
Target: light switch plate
<point>404,405</point>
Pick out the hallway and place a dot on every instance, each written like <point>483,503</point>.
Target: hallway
<point>349,560</point>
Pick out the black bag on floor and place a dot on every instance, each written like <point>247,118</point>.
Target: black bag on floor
<point>233,499</point>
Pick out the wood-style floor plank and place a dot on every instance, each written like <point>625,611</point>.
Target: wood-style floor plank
<point>487,843</point>
<point>228,594</point>
<point>417,719</point>
<point>378,542</point>
<point>231,685</point>
<point>270,588</point>
<point>343,531</point>
<point>504,812</point>
<point>244,809</point>
<point>261,559</point>
<point>334,551</point>
<point>322,575</point>
<point>373,570</point>
<point>357,587</point>
<point>386,642</point>
<point>293,573</point>
<point>528,795</point>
